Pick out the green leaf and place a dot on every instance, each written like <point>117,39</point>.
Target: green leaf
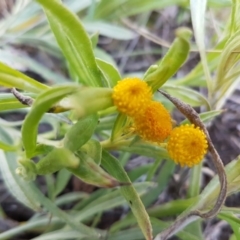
<point>219,3</point>
<point>234,25</point>
<point>91,173</point>
<point>198,9</point>
<point>70,197</point>
<point>62,180</point>
<point>153,169</point>
<point>226,89</point>
<point>62,234</point>
<point>23,191</point>
<point>33,224</point>
<point>226,77</point>
<point>122,8</point>
<point>172,208</point>
<point>233,221</point>
<point>93,149</point>
<point>94,39</point>
<point>233,237</point>
<point>32,65</point>
<point>41,105</point>
<point>13,79</point>
<point>10,103</point>
<point>41,149</point>
<point>103,55</point>
<point>195,181</point>
<point>56,160</point>
<point>187,95</point>
<point>139,171</point>
<point>55,211</point>
<point>183,234</point>
<point>192,79</point>
<point>92,197</point>
<point>6,142</point>
<point>206,117</point>
<point>211,191</point>
<point>88,100</point>
<point>162,179</point>
<point>172,61</point>
<point>227,59</point>
<point>7,147</point>
<point>118,126</point>
<point>80,132</point>
<point>49,179</point>
<point>108,200</point>
<point>129,193</point>
<point>109,30</point>
<point>74,42</point>
<point>146,149</point>
<point>158,225</point>
<point>110,73</point>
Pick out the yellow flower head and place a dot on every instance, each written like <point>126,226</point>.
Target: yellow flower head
<point>154,124</point>
<point>187,145</point>
<point>131,96</point>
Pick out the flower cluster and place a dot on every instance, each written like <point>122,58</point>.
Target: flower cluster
<point>155,123</point>
<point>133,97</point>
<point>186,144</point>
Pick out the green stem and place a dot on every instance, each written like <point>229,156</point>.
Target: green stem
<point>153,169</point>
<point>37,224</point>
<point>172,208</point>
<point>109,145</point>
<point>107,111</point>
<point>230,210</point>
<point>121,142</point>
<point>193,191</point>
<point>195,181</point>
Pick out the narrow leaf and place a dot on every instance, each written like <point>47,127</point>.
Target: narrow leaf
<point>146,149</point>
<point>110,73</point>
<point>23,191</point>
<point>53,209</point>
<point>198,8</point>
<point>56,160</point>
<point>206,117</point>
<point>172,61</point>
<point>123,8</point>
<point>129,193</point>
<point>80,132</point>
<point>233,221</point>
<point>42,104</point>
<point>118,126</point>
<point>108,200</point>
<point>91,173</point>
<point>93,149</point>
<point>109,30</point>
<point>62,180</point>
<point>12,78</point>
<point>74,42</point>
<point>187,95</point>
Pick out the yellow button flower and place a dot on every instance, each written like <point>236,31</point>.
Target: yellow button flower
<point>154,124</point>
<point>131,96</point>
<point>187,145</point>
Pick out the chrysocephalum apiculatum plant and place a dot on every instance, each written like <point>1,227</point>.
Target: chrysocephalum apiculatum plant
<point>139,123</point>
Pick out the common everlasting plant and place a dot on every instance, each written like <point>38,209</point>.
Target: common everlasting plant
<point>102,116</point>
